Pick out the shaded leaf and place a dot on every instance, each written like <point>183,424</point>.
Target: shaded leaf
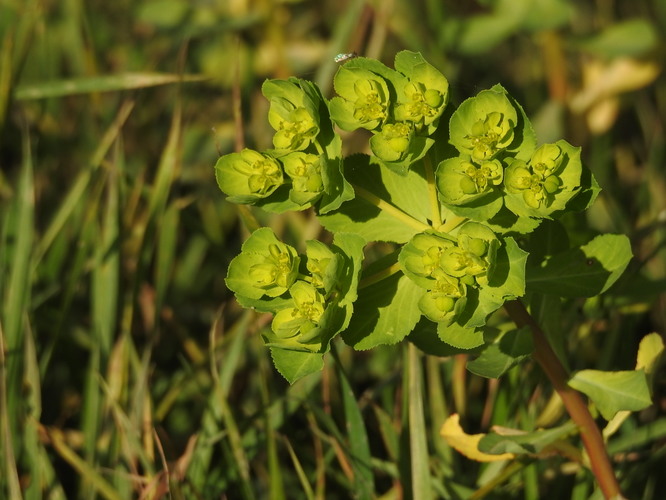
<point>583,272</point>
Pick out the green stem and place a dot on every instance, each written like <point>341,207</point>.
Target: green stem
<point>573,401</point>
<point>383,274</point>
<point>452,221</point>
<point>390,209</point>
<point>432,192</point>
<point>418,441</point>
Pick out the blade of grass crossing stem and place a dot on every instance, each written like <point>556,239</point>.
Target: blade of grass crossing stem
<point>222,373</point>
<point>32,446</point>
<point>17,295</point>
<point>86,471</point>
<point>106,272</point>
<point>302,477</point>
<point>357,436</point>
<point>9,479</point>
<point>437,408</point>
<point>105,83</point>
<point>80,186</point>
<point>236,444</point>
<point>74,47</point>
<point>6,50</point>
<point>234,352</point>
<point>91,412</point>
<point>275,479</point>
<point>418,433</point>
<point>166,253</point>
<point>167,167</point>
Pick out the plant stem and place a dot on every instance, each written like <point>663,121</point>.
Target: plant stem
<point>390,209</point>
<point>378,276</point>
<point>573,401</point>
<point>432,192</point>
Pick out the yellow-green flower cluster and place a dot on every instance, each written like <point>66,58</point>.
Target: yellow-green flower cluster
<point>448,267</point>
<point>401,107</point>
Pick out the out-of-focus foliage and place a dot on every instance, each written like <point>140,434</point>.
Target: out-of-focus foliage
<point>126,367</point>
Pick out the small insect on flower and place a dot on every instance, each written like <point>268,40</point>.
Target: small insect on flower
<point>345,57</point>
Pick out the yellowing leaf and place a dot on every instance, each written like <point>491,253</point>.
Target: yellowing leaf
<point>608,80</point>
<point>467,444</point>
<point>649,352</point>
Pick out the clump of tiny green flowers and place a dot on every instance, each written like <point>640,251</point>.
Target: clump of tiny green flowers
<point>401,107</point>
<point>447,267</point>
<point>303,170</point>
<point>499,165</point>
<point>310,295</point>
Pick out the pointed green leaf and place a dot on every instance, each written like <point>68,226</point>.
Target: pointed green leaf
<point>294,365</point>
<point>613,391</point>
<point>460,336</point>
<point>496,359</point>
<point>385,313</point>
<point>358,439</point>
<point>524,443</point>
<point>583,272</point>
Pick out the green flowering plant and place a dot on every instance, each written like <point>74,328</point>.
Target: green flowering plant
<point>469,205</point>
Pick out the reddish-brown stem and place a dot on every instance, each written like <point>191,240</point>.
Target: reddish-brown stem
<point>573,401</point>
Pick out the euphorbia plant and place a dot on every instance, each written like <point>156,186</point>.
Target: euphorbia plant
<point>465,195</point>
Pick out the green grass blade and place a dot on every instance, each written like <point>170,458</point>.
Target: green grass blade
<point>16,296</point>
<point>302,477</point>
<point>80,185</point>
<point>418,432</point>
<point>107,83</point>
<point>9,479</point>
<point>357,437</point>
<point>31,445</point>
<point>85,469</point>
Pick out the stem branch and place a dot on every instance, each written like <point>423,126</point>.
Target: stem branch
<point>390,209</point>
<point>573,401</point>
<point>435,209</point>
<point>378,276</point>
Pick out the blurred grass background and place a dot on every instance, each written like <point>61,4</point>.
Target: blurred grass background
<point>127,369</point>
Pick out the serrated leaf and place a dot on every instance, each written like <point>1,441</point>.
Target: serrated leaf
<point>467,444</point>
<point>520,443</point>
<point>496,359</point>
<point>362,217</point>
<point>583,272</point>
<point>460,336</point>
<point>385,313</point>
<point>612,392</point>
<point>294,365</point>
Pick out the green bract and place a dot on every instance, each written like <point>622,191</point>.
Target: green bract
<point>292,114</point>
<point>364,99</point>
<point>546,183</point>
<point>302,319</point>
<point>446,267</point>
<point>422,100</point>
<point>483,125</point>
<point>248,176</point>
<point>305,172</point>
<point>265,267</point>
